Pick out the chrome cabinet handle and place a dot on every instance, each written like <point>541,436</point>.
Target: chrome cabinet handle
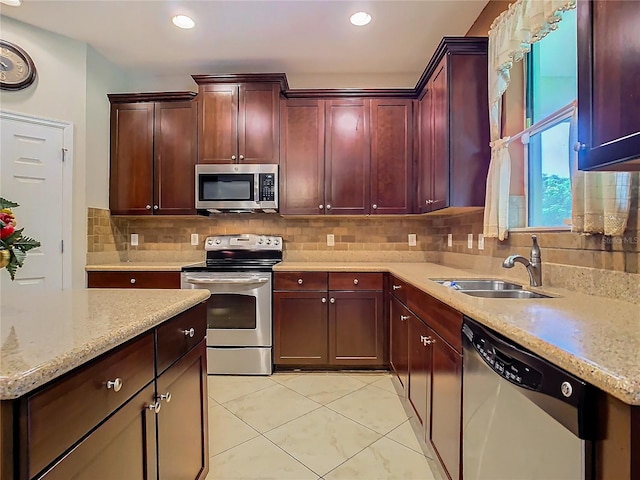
<point>374,206</point>
<point>155,407</point>
<point>241,157</point>
<point>404,318</point>
<point>115,384</point>
<point>155,207</point>
<point>324,300</point>
<point>320,207</point>
<point>133,280</point>
<point>355,281</point>
<point>426,340</point>
<point>396,287</point>
<point>233,157</point>
<point>300,281</point>
<point>189,333</point>
<point>328,207</point>
<point>164,396</point>
<point>333,300</point>
<point>579,146</point>
<point>148,207</point>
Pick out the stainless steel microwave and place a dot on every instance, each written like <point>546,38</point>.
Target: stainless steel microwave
<point>225,187</point>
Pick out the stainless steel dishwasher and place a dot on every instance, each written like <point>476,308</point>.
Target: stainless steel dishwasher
<point>523,418</point>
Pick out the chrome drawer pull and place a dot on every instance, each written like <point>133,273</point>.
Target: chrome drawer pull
<point>115,384</point>
<point>404,317</point>
<point>155,407</point>
<point>189,333</point>
<point>133,280</point>
<point>333,300</point>
<point>324,300</point>
<point>355,281</point>
<point>165,396</point>
<point>300,282</point>
<point>396,287</point>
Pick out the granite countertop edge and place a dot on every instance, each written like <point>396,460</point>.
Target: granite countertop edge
<point>625,387</point>
<point>139,266</point>
<point>24,382</point>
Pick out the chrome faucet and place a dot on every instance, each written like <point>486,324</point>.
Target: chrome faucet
<point>533,265</point>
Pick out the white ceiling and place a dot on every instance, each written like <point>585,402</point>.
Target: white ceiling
<point>301,38</point>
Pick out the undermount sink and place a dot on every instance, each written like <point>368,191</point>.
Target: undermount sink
<point>488,288</point>
<point>504,294</point>
<point>480,284</point>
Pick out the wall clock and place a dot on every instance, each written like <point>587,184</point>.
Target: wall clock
<point>17,70</point>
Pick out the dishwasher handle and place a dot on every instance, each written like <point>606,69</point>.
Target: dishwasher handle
<point>227,281</point>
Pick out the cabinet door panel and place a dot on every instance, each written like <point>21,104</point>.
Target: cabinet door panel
<point>347,169</point>
<point>300,328</point>
<point>446,406</point>
<point>258,123</point>
<point>218,124</point>
<point>419,370</point>
<point>356,330</point>
<point>609,84</point>
<point>302,157</point>
<point>440,137</point>
<point>182,427</point>
<point>425,158</point>
<point>131,181</point>
<point>123,447</point>
<point>391,157</point>
<point>399,332</point>
<point>175,157</point>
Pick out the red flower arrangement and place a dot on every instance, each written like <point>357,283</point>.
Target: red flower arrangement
<point>13,244</point>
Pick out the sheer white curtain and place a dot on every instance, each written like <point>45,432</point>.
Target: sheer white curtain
<point>510,38</point>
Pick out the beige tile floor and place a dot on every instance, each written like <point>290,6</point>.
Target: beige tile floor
<point>316,426</point>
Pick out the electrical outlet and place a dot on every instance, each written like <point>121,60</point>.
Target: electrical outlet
<point>194,239</point>
<point>412,240</point>
<point>480,241</point>
<point>331,240</point>
<point>134,239</point>
<point>470,241</point>
<point>450,240</point>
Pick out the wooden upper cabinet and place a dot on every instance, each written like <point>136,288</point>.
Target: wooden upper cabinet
<point>131,180</point>
<point>347,157</point>
<point>454,152</point>
<point>391,156</point>
<point>302,156</point>
<point>153,154</point>
<point>239,121</point>
<point>608,85</point>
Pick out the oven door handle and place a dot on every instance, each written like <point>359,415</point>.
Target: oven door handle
<point>227,281</point>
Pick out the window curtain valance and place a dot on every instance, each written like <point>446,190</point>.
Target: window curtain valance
<point>510,38</point>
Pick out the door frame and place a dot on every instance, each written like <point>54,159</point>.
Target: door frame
<point>67,182</point>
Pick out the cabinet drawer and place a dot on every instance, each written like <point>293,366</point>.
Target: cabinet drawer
<point>175,338</point>
<point>62,413</point>
<point>300,281</point>
<point>133,279</point>
<point>355,281</point>
<point>444,320</point>
<point>399,289</point>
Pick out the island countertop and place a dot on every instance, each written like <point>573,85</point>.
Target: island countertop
<point>44,335</point>
<point>594,338</point>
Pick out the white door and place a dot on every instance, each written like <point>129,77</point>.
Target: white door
<point>31,174</point>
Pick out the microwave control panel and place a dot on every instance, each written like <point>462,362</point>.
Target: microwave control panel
<point>267,187</point>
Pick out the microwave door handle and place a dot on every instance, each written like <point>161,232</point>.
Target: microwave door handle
<point>229,281</point>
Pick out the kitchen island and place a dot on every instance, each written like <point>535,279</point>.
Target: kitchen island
<point>84,375</point>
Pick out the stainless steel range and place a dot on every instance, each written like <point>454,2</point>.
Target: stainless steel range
<point>238,273</point>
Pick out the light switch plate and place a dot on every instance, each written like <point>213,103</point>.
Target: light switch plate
<point>194,239</point>
<point>480,241</point>
<point>134,239</point>
<point>450,240</point>
<point>470,240</point>
<point>412,240</point>
<point>331,240</point>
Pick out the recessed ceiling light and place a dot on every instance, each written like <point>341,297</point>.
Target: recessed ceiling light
<point>183,21</point>
<point>360,19</point>
<point>12,3</point>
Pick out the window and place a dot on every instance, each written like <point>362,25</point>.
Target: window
<point>551,89</point>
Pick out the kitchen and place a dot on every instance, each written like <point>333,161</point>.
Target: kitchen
<point>589,265</point>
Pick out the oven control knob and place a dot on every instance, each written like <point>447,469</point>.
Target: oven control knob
<point>260,241</point>
<point>566,389</point>
<point>276,241</point>
<point>268,241</point>
<point>209,241</point>
<point>217,241</point>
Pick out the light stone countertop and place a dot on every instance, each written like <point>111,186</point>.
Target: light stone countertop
<point>594,338</point>
<point>44,335</point>
<point>138,267</point>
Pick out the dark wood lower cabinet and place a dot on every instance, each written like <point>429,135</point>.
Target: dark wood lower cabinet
<point>182,419</point>
<point>133,279</point>
<point>446,405</point>
<point>399,338</point>
<point>356,330</point>
<point>419,370</point>
<point>300,328</point>
<point>122,447</point>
